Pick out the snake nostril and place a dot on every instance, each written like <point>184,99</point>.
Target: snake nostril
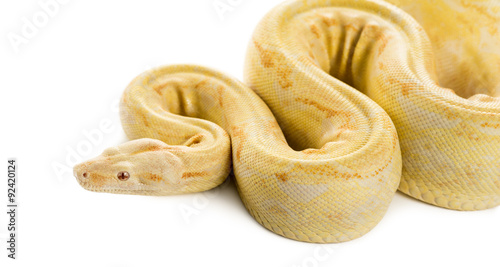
<point>85,174</point>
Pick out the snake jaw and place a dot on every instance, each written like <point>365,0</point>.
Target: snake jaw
<point>141,190</point>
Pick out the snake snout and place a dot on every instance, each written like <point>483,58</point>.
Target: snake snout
<point>80,172</point>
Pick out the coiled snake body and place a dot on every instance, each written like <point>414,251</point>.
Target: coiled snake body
<point>312,135</point>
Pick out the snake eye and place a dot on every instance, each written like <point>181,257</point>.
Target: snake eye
<point>123,176</point>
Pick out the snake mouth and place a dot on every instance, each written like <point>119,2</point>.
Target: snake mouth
<point>139,190</point>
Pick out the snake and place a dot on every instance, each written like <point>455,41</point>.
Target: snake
<point>342,104</point>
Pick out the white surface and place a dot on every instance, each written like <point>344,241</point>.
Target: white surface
<point>66,79</point>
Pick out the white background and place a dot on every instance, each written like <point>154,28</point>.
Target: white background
<point>65,79</point>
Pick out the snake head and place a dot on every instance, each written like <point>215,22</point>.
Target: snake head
<point>144,167</point>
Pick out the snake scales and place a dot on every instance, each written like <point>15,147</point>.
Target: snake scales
<point>312,135</point>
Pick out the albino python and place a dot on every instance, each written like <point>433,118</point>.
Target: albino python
<point>312,135</point>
